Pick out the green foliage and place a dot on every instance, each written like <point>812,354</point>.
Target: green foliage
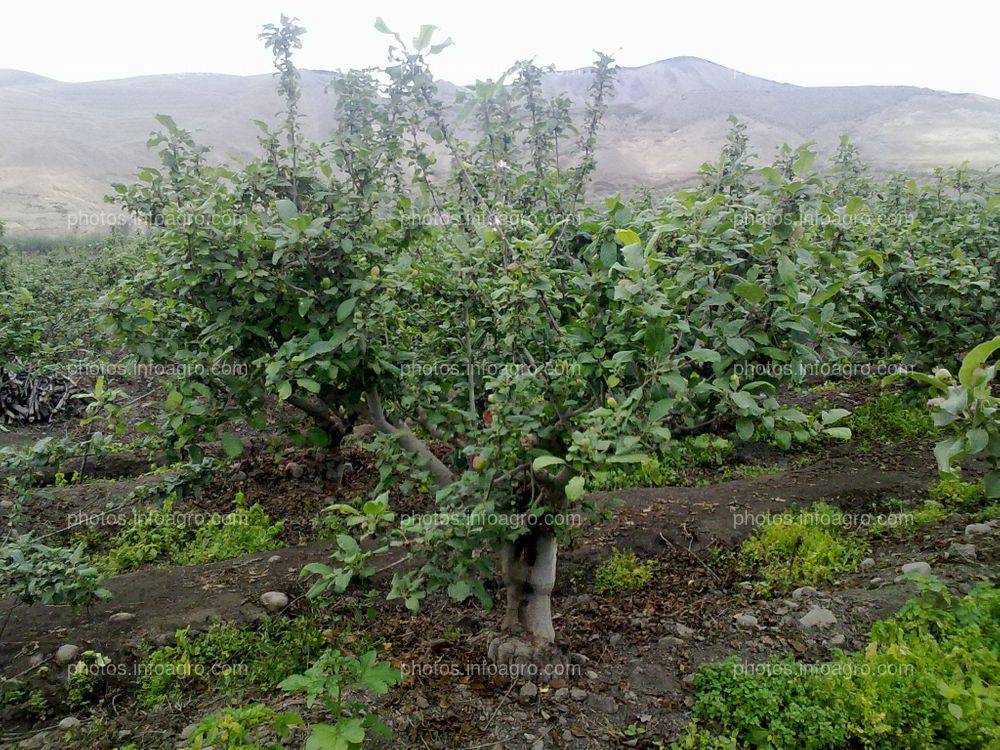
<point>892,417</point>
<point>229,658</point>
<point>86,675</point>
<point>38,574</point>
<point>952,492</point>
<point>969,412</point>
<point>242,728</point>
<point>622,572</point>
<point>325,682</point>
<point>926,680</point>
<point>665,468</point>
<point>807,547</point>
<point>162,535</point>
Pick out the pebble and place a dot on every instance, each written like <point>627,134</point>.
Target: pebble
<point>295,470</point>
<point>968,551</point>
<point>66,654</point>
<point>69,723</point>
<point>803,591</point>
<point>274,559</point>
<point>917,568</point>
<point>529,690</point>
<point>746,621</point>
<point>119,617</point>
<point>818,617</point>
<point>577,694</point>
<point>240,476</point>
<point>977,529</point>
<point>591,674</point>
<point>6,504</point>
<point>274,601</point>
<point>867,564</point>
<point>838,640</point>
<point>422,702</point>
<point>188,731</point>
<point>683,630</point>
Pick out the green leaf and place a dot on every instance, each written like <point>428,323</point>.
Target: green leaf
<point>345,309</point>
<point>575,488</point>
<point>704,355</point>
<point>749,291</point>
<point>286,210</point>
<point>628,458</point>
<point>231,444</point>
<point>634,257</point>
<point>659,410</point>
<point>423,39</point>
<point>841,433</point>
<point>284,390</point>
<point>991,483</point>
<point>627,237</point>
<point>459,590</point>
<point>543,461</point>
<point>976,358</point>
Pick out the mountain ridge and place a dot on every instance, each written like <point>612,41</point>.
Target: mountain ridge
<point>63,143</point>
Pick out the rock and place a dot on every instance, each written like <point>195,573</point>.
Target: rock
<point>6,504</point>
<point>274,601</point>
<point>239,476</point>
<point>577,694</point>
<point>538,744</point>
<point>295,470</point>
<point>803,592</point>
<point>651,679</point>
<point>688,682</point>
<point>580,659</point>
<point>561,694</point>
<point>817,617</point>
<point>867,564</point>
<point>669,641</point>
<point>917,568</point>
<point>121,617</point>
<point>746,621</point>
<point>977,529</point>
<point>43,740</point>
<point>69,723</point>
<point>188,731</point>
<point>683,630</point>
<point>966,551</point>
<point>36,660</point>
<point>274,559</point>
<point>66,654</point>
<point>603,703</point>
<point>838,640</point>
<point>528,690</point>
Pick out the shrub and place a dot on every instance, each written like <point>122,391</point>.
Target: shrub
<point>926,680</point>
<point>801,548</point>
<point>622,572</point>
<point>243,531</point>
<point>890,418</point>
<point>229,656</point>
<point>952,492</point>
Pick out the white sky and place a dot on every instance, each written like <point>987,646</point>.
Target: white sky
<point>950,46</point>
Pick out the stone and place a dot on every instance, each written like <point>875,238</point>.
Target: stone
<point>528,690</point>
<point>838,640</point>
<point>966,551</point>
<point>977,529</point>
<point>295,470</point>
<point>818,617</point>
<point>66,654</point>
<point>746,621</point>
<point>274,559</point>
<point>577,694</point>
<point>804,591</point>
<point>69,723</point>
<point>6,504</point>
<point>683,630</point>
<point>121,617</point>
<point>240,476</point>
<point>188,731</point>
<point>274,601</point>
<point>603,703</point>
<point>867,564</point>
<point>919,568</point>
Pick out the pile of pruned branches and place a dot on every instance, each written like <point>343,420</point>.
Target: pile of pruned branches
<point>28,398</point>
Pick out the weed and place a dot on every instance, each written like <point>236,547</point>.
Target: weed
<point>801,548</point>
<point>952,492</point>
<point>622,572</point>
<point>892,417</point>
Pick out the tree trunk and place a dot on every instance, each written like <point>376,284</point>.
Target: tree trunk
<point>529,573</point>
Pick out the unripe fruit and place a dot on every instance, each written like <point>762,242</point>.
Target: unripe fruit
<point>943,374</point>
<point>492,398</point>
<point>934,403</point>
<point>479,462</point>
<point>611,402</point>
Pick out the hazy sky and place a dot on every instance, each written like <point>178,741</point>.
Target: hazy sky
<point>950,46</point>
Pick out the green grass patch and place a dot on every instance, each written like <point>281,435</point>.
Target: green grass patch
<point>623,572</point>
<point>799,548</point>
<point>229,658</point>
<point>891,418</point>
<point>162,536</point>
<point>666,468</point>
<point>927,679</point>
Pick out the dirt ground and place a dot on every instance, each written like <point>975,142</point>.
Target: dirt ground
<point>632,655</point>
